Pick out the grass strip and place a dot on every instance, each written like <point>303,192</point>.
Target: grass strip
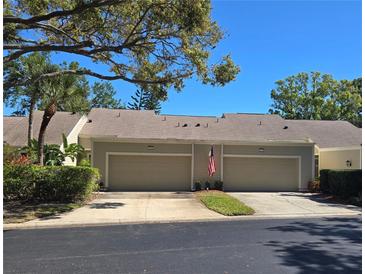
<point>223,203</point>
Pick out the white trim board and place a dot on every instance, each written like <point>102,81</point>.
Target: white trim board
<point>274,156</point>
<point>107,154</point>
<point>116,139</point>
<point>260,156</point>
<point>339,148</point>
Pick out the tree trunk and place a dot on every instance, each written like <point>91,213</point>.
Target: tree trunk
<point>47,116</point>
<point>30,120</point>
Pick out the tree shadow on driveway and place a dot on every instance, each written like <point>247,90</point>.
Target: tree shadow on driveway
<point>336,246</point>
<point>106,205</point>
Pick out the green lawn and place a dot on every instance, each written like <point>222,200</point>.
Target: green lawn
<point>223,203</point>
<point>15,212</point>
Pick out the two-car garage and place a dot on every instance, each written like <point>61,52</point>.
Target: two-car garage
<point>135,168</point>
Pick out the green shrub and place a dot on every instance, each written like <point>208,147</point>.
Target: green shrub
<point>49,183</point>
<point>345,183</point>
<point>207,185</point>
<point>19,182</point>
<point>218,185</point>
<point>84,162</point>
<point>324,184</point>
<point>197,186</point>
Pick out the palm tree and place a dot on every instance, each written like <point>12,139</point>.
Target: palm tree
<point>66,92</point>
<point>27,95</point>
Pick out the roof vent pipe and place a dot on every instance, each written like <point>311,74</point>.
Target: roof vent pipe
<point>164,118</point>
<point>178,124</point>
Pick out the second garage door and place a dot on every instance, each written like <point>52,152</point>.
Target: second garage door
<point>261,174</point>
<point>149,173</point>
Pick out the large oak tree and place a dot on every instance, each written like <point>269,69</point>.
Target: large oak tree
<point>146,42</point>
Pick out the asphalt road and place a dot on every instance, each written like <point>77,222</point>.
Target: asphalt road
<point>326,245</point>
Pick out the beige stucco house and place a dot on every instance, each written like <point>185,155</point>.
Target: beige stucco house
<point>142,151</point>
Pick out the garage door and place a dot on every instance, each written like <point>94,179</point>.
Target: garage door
<point>149,173</point>
<point>261,174</point>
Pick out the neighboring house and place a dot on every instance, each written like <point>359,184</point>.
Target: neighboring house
<point>70,124</point>
<point>142,151</point>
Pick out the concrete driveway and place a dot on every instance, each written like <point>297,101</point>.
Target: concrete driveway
<point>276,204</point>
<point>131,207</point>
<point>146,207</point>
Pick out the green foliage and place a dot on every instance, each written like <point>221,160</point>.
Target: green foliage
<point>49,183</point>
<point>197,186</point>
<point>53,156</point>
<point>67,91</point>
<point>9,153</point>
<point>145,100</point>
<point>18,182</point>
<point>84,162</point>
<point>73,151</point>
<point>345,183</point>
<point>103,96</point>
<point>318,97</point>
<point>324,183</point>
<point>218,185</point>
<point>149,43</point>
<point>27,69</point>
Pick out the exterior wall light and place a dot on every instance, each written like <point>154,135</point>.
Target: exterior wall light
<point>261,149</point>
<point>348,163</point>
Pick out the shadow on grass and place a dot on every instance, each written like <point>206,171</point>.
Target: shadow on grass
<point>336,246</point>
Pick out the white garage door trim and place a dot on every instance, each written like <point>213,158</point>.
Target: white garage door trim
<point>107,154</point>
<point>273,156</point>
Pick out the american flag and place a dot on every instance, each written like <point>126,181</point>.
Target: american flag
<point>211,165</point>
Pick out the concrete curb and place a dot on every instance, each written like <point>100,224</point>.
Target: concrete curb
<point>25,226</point>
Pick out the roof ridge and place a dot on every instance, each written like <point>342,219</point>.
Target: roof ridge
<point>185,115</point>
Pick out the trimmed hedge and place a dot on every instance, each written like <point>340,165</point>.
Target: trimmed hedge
<point>49,183</point>
<point>345,183</point>
<point>324,185</point>
<point>341,183</point>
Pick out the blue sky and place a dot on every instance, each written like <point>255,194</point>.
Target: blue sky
<point>269,40</point>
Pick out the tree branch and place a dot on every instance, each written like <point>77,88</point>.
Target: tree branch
<point>115,77</point>
<point>59,13</point>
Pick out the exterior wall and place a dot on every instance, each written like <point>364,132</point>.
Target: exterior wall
<point>73,138</point>
<point>336,159</point>
<point>101,148</point>
<point>201,159</point>
<point>305,152</point>
<point>85,142</point>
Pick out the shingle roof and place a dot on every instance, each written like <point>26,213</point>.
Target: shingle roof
<point>15,128</point>
<point>327,134</point>
<point>130,124</point>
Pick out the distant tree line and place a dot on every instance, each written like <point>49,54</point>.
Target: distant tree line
<point>316,96</point>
